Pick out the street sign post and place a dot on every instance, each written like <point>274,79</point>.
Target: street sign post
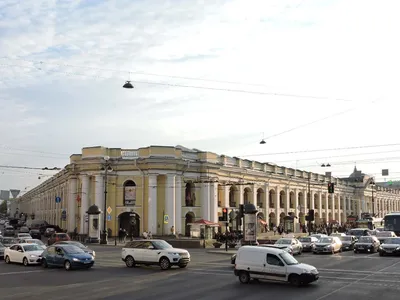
<point>108,217</point>
<point>109,210</point>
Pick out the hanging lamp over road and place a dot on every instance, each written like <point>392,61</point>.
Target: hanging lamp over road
<point>128,85</point>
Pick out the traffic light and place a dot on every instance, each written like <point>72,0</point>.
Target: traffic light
<point>224,214</point>
<point>311,215</point>
<point>241,211</point>
<point>331,188</point>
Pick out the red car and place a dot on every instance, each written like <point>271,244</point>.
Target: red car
<point>58,237</point>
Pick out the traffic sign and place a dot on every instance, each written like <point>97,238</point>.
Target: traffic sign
<point>109,210</point>
<point>64,215</point>
<point>58,199</point>
<point>108,217</point>
<point>166,219</point>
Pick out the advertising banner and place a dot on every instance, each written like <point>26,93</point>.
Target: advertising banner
<point>250,229</point>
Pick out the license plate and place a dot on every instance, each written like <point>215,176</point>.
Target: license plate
<point>389,251</point>
<point>87,262</point>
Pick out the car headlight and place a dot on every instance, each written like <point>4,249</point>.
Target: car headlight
<point>172,253</point>
<point>314,271</point>
<point>306,271</point>
<point>94,254</point>
<point>33,256</point>
<point>75,259</point>
<point>330,246</point>
<point>398,248</point>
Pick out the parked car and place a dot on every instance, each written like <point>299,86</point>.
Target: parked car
<point>271,264</point>
<point>291,243</point>
<point>308,243</point>
<point>348,242</point>
<point>57,237</point>
<point>391,246</point>
<point>154,252</point>
<point>66,256</point>
<point>24,229</point>
<point>367,244</point>
<point>330,244</point>
<point>27,254</point>
<point>77,244</point>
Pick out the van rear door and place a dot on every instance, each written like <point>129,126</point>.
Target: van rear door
<point>253,261</point>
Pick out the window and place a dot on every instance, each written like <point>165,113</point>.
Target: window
<point>232,200</point>
<point>51,250</point>
<point>129,193</point>
<point>273,260</point>
<point>15,247</point>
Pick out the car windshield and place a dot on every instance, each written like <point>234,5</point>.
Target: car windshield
<point>32,247</point>
<point>23,234</point>
<point>38,242</point>
<point>71,249</point>
<point>288,259</point>
<point>77,244</point>
<point>305,240</point>
<point>365,239</point>
<point>283,242</point>
<point>346,238</point>
<point>162,245</point>
<point>393,241</point>
<point>61,235</point>
<point>325,240</point>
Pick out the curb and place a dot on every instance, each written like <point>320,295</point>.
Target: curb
<point>221,252</point>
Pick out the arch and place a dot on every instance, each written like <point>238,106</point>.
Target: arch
<point>232,196</point>
<point>189,218</point>
<point>246,195</point>
<point>272,220</point>
<point>260,198</point>
<point>130,221</point>
<point>282,195</point>
<point>190,194</point>
<point>272,198</point>
<point>129,193</point>
<point>292,200</point>
<point>281,216</point>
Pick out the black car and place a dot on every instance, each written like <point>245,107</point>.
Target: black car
<point>9,231</point>
<point>348,242</point>
<point>391,246</point>
<point>367,244</point>
<point>35,234</point>
<point>2,247</point>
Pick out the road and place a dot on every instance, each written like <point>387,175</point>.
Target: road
<point>343,276</point>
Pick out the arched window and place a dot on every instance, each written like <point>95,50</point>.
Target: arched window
<point>190,195</point>
<point>232,200</point>
<point>129,193</point>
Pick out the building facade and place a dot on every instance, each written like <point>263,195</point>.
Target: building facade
<point>163,189</point>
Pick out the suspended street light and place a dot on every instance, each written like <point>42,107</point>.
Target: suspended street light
<point>263,142</point>
<point>128,85</point>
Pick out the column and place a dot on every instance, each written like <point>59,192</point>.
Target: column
<point>339,218</point>
<point>287,201</point>
<point>333,207</point>
<point>152,224</point>
<point>170,205</point>
<point>312,205</point>
<point>205,201</point>
<point>178,205</point>
<point>277,206</point>
<point>320,205</point>
<point>72,188</point>
<point>241,189</point>
<point>304,204</point>
<point>296,211</point>
<point>225,203</point>
<point>84,204</point>
<point>266,203</point>
<point>326,208</point>
<point>359,207</point>
<point>344,204</point>
<point>214,202</point>
<point>254,196</point>
<point>99,198</point>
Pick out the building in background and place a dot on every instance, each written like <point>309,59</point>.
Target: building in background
<point>163,189</point>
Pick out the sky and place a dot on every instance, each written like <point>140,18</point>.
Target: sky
<point>212,75</point>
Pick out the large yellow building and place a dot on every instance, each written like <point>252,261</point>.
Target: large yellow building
<point>163,189</point>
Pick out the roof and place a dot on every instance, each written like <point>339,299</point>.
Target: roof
<point>263,249</point>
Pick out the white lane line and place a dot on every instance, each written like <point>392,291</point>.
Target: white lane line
<point>21,272</point>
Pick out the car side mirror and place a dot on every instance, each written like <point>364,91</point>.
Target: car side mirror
<point>151,247</point>
<point>20,250</point>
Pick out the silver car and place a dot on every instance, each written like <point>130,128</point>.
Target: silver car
<point>294,246</point>
<point>308,243</point>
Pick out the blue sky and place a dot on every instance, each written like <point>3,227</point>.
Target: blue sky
<point>62,65</point>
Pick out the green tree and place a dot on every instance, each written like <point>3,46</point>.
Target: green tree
<point>3,207</point>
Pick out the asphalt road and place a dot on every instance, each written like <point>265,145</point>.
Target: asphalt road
<point>209,276</point>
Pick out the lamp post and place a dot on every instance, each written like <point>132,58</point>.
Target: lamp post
<point>106,168</point>
<point>372,183</point>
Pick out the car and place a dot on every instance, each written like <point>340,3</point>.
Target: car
<point>292,244</point>
<point>27,254</point>
<point>154,252</point>
<point>35,234</point>
<point>359,232</point>
<point>330,244</point>
<point>391,246</point>
<point>308,243</point>
<point>272,264</point>
<point>367,244</point>
<point>348,242</point>
<point>57,237</point>
<point>67,256</point>
<point>48,232</point>
<point>8,241</point>
<point>24,229</point>
<point>2,248</point>
<point>23,236</point>
<point>79,245</point>
<point>280,246</point>
<point>383,235</point>
<point>318,235</point>
<point>9,231</point>
<point>338,234</point>
<point>33,241</point>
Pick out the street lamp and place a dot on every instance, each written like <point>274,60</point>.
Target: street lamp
<point>325,165</point>
<point>106,168</point>
<point>128,85</point>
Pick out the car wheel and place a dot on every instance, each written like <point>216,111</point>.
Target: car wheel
<point>165,263</point>
<point>67,265</point>
<point>25,262</point>
<point>129,262</point>
<point>381,254</point>
<point>294,279</point>
<point>244,277</point>
<point>7,259</point>
<point>44,263</point>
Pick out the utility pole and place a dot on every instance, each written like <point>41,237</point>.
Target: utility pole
<point>309,201</point>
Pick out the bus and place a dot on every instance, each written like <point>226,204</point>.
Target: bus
<point>392,222</point>
<point>370,223</point>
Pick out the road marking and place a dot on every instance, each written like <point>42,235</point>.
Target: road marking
<point>20,272</point>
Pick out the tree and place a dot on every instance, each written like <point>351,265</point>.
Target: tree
<point>3,207</point>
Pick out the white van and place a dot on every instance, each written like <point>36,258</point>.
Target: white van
<point>272,264</point>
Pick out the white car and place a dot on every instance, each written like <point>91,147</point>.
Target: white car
<point>33,241</point>
<point>27,254</point>
<point>154,252</point>
<point>272,264</point>
<point>23,236</point>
